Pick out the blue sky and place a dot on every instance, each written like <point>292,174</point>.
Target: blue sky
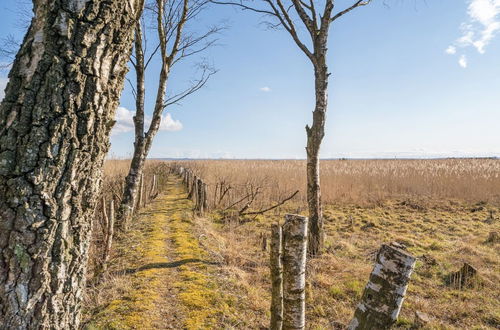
<point>409,78</point>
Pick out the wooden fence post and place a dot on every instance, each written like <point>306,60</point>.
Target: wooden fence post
<point>294,271</point>
<point>384,294</point>
<point>153,188</point>
<point>276,278</point>
<point>199,200</point>
<point>139,195</point>
<point>194,189</point>
<point>109,236</point>
<point>205,196</point>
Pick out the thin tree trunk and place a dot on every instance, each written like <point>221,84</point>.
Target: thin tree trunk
<point>129,197</point>
<point>294,271</point>
<point>55,122</point>
<point>315,135</point>
<point>276,278</point>
<point>132,186</point>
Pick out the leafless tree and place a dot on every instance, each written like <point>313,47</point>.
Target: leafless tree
<point>55,121</point>
<point>175,43</point>
<point>316,17</point>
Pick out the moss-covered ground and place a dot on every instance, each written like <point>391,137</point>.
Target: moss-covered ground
<point>188,272</point>
<point>160,277</point>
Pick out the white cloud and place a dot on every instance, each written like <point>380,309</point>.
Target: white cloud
<point>125,122</point>
<point>265,89</point>
<point>169,124</point>
<point>451,50</point>
<point>463,61</point>
<point>3,84</point>
<point>480,29</point>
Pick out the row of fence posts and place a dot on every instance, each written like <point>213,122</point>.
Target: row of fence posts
<point>196,187</point>
<point>142,196</point>
<point>108,212</point>
<point>382,297</point>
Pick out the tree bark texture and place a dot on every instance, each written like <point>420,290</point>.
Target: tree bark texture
<point>294,271</point>
<point>55,122</point>
<point>276,278</point>
<point>315,135</point>
<point>132,181</point>
<point>384,294</point>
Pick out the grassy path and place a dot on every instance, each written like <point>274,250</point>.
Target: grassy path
<point>163,278</point>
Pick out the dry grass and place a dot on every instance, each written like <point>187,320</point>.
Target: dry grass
<point>112,187</point>
<point>361,182</point>
<point>440,209</point>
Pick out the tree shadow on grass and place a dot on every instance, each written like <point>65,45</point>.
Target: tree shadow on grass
<point>172,264</point>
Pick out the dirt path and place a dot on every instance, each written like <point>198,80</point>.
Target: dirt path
<point>161,278</point>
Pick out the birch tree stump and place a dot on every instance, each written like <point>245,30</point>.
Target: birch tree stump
<point>384,294</point>
<point>294,271</point>
<point>276,278</point>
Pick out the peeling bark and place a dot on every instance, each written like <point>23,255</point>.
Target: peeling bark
<point>294,271</point>
<point>384,294</point>
<point>276,278</point>
<point>56,117</point>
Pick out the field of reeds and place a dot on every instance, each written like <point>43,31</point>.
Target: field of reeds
<point>442,211</point>
<point>361,182</point>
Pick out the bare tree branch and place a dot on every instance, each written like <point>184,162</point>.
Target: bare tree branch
<point>358,3</point>
<point>195,86</point>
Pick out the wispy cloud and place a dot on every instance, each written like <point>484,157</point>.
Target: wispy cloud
<point>265,89</point>
<point>463,61</point>
<point>481,27</point>
<point>451,50</point>
<point>125,122</point>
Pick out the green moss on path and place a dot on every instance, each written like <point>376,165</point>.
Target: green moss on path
<point>165,278</point>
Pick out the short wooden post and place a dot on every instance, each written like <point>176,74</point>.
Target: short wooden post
<point>205,196</point>
<point>109,236</point>
<point>384,294</point>
<point>200,198</point>
<point>294,271</point>
<point>153,187</point>
<point>139,195</point>
<point>193,190</point>
<point>276,278</point>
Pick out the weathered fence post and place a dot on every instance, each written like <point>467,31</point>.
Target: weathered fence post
<point>276,278</point>
<point>384,294</point>
<point>294,271</point>
<point>153,188</point>
<point>199,200</point>
<point>194,189</point>
<point>139,195</point>
<point>205,198</point>
<point>109,234</point>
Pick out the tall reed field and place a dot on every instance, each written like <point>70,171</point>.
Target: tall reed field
<point>361,182</point>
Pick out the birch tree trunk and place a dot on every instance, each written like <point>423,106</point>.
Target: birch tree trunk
<point>315,136</point>
<point>55,122</point>
<point>294,271</point>
<point>276,278</point>
<point>384,294</point>
<point>129,198</point>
